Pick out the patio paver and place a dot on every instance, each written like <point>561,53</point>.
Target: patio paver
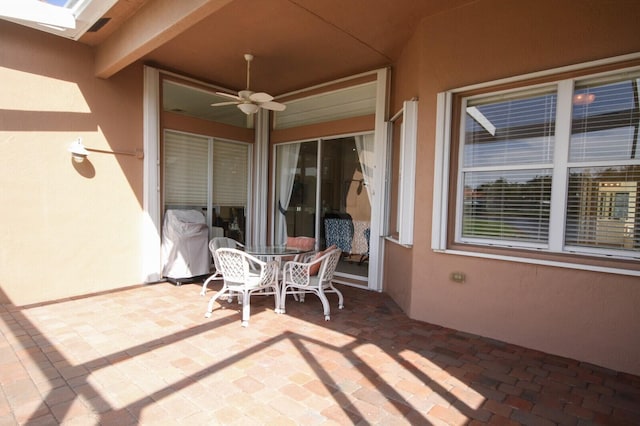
<point>147,355</point>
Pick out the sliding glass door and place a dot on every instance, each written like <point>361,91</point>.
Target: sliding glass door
<point>295,191</point>
<point>322,191</point>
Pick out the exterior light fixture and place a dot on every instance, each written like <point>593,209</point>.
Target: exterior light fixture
<point>78,151</point>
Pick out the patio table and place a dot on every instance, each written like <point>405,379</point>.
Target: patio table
<point>277,253</point>
<point>274,252</point>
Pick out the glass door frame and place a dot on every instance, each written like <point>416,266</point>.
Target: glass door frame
<point>374,243</point>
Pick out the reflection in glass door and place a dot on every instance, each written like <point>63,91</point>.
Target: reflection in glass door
<point>332,205</point>
<point>295,192</point>
<point>346,207</point>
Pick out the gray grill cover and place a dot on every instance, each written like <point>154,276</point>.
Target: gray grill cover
<point>185,239</point>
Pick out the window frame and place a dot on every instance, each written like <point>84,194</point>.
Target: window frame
<point>461,169</point>
<point>70,21</point>
<point>446,215</point>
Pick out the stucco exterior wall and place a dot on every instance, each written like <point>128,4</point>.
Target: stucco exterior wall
<point>589,316</point>
<point>69,229</point>
<point>398,262</point>
<point>66,229</point>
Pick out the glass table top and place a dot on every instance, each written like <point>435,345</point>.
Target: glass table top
<point>274,250</point>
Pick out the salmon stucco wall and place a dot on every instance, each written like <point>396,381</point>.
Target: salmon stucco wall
<point>398,261</point>
<point>589,316</point>
<point>66,228</point>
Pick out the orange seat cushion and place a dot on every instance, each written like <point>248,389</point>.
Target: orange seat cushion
<point>315,268</point>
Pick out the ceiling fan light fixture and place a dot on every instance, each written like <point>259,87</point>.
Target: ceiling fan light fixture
<point>248,108</point>
<point>248,101</point>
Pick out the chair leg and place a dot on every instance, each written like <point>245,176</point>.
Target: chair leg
<point>277,296</point>
<point>283,298</point>
<point>213,300</point>
<point>325,304</point>
<point>246,308</point>
<point>206,283</point>
<point>339,293</point>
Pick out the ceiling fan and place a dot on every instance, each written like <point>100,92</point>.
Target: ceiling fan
<point>250,102</point>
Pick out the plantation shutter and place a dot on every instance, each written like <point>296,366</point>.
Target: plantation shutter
<point>230,173</point>
<point>185,169</point>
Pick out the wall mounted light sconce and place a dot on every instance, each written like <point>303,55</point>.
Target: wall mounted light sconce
<point>79,152</point>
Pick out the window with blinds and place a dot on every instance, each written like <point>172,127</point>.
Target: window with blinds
<point>507,166</point>
<point>186,168</point>
<point>230,174</point>
<point>192,180</point>
<point>603,207</point>
<point>530,155</point>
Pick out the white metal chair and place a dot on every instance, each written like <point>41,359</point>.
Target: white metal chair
<point>214,245</point>
<point>245,275</point>
<point>314,276</point>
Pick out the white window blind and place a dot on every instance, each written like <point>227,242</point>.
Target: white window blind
<point>230,173</point>
<point>603,207</point>
<point>507,167</point>
<point>185,169</point>
<point>569,150</point>
<point>605,121</point>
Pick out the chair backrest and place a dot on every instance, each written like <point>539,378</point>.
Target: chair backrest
<point>321,267</point>
<point>239,267</point>
<point>221,242</point>
<point>232,264</point>
<point>329,265</point>
<point>360,243</point>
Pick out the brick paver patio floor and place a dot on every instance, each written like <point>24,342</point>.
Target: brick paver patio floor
<point>146,355</point>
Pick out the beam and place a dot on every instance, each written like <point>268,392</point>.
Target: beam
<point>157,22</point>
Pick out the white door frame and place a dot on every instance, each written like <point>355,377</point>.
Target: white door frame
<point>151,216</point>
<point>376,240</point>
<point>151,219</point>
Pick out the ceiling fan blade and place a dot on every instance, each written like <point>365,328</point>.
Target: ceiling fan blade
<point>273,106</point>
<point>225,103</point>
<point>228,96</point>
<point>261,97</point>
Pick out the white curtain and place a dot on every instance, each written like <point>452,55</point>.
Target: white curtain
<point>287,161</point>
<point>364,145</point>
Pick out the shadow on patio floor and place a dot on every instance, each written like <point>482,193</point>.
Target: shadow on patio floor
<point>147,355</point>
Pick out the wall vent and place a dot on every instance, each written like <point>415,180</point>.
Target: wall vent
<point>98,24</point>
